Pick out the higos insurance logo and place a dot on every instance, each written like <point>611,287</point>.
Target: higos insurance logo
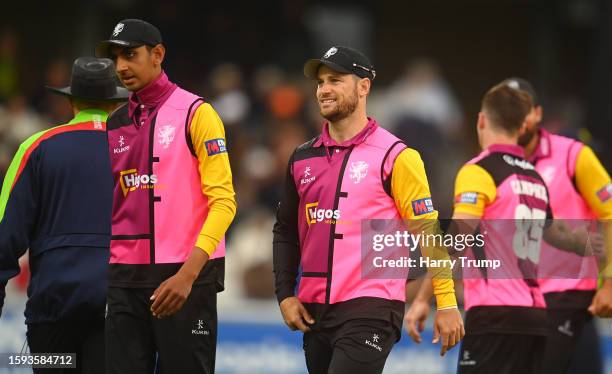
<point>316,215</point>
<point>130,180</point>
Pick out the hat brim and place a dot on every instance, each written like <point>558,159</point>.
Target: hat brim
<point>103,48</point>
<point>122,94</point>
<point>312,66</point>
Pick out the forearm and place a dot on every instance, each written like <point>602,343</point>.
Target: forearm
<point>286,241</point>
<point>285,252</point>
<point>9,267</point>
<point>439,280</point>
<point>560,236</point>
<point>445,293</point>
<point>286,263</point>
<point>13,245</point>
<point>194,264</point>
<point>426,291</point>
<point>441,283</point>
<point>445,299</point>
<point>220,216</point>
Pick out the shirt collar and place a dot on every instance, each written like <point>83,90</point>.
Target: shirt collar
<point>543,148</point>
<point>152,94</point>
<point>326,140</point>
<point>89,115</point>
<point>513,149</point>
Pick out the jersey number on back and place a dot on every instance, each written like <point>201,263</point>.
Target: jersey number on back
<point>529,230</point>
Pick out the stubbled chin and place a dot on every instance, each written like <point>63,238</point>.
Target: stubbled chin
<point>326,113</point>
<point>328,108</point>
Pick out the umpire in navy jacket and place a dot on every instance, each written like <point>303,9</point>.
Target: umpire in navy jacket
<point>56,200</point>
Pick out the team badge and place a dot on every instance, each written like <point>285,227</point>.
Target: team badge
<point>118,29</point>
<point>358,171</point>
<point>166,135</point>
<point>332,51</point>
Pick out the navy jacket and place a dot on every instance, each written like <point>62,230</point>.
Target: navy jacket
<point>56,200</point>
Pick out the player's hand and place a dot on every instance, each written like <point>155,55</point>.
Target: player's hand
<point>295,315</point>
<point>448,328</point>
<point>602,302</point>
<point>415,319</point>
<point>170,296</point>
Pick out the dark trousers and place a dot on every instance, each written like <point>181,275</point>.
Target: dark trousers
<point>138,343</point>
<point>587,356</point>
<point>573,344</point>
<point>359,346</point>
<point>86,339</point>
<point>501,354</point>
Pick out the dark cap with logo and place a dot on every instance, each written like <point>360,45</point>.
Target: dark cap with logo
<point>523,85</point>
<point>343,60</point>
<point>130,33</point>
<point>93,79</point>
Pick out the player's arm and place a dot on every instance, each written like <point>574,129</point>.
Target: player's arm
<point>286,256</point>
<point>594,185</point>
<point>208,138</point>
<point>18,212</point>
<point>474,190</point>
<point>285,242</point>
<point>558,234</point>
<point>409,188</point>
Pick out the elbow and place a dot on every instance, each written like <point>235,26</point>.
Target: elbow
<point>232,206</point>
<point>226,205</point>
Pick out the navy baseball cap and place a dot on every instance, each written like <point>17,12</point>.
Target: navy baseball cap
<point>130,33</point>
<point>343,60</point>
<point>523,85</point>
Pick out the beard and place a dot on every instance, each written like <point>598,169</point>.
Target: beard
<point>524,139</point>
<point>343,109</point>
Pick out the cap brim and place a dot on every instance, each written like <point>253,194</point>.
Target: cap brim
<point>311,67</point>
<point>103,48</point>
<point>122,94</point>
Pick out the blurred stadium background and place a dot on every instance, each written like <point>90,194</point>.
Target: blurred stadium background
<point>434,60</point>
